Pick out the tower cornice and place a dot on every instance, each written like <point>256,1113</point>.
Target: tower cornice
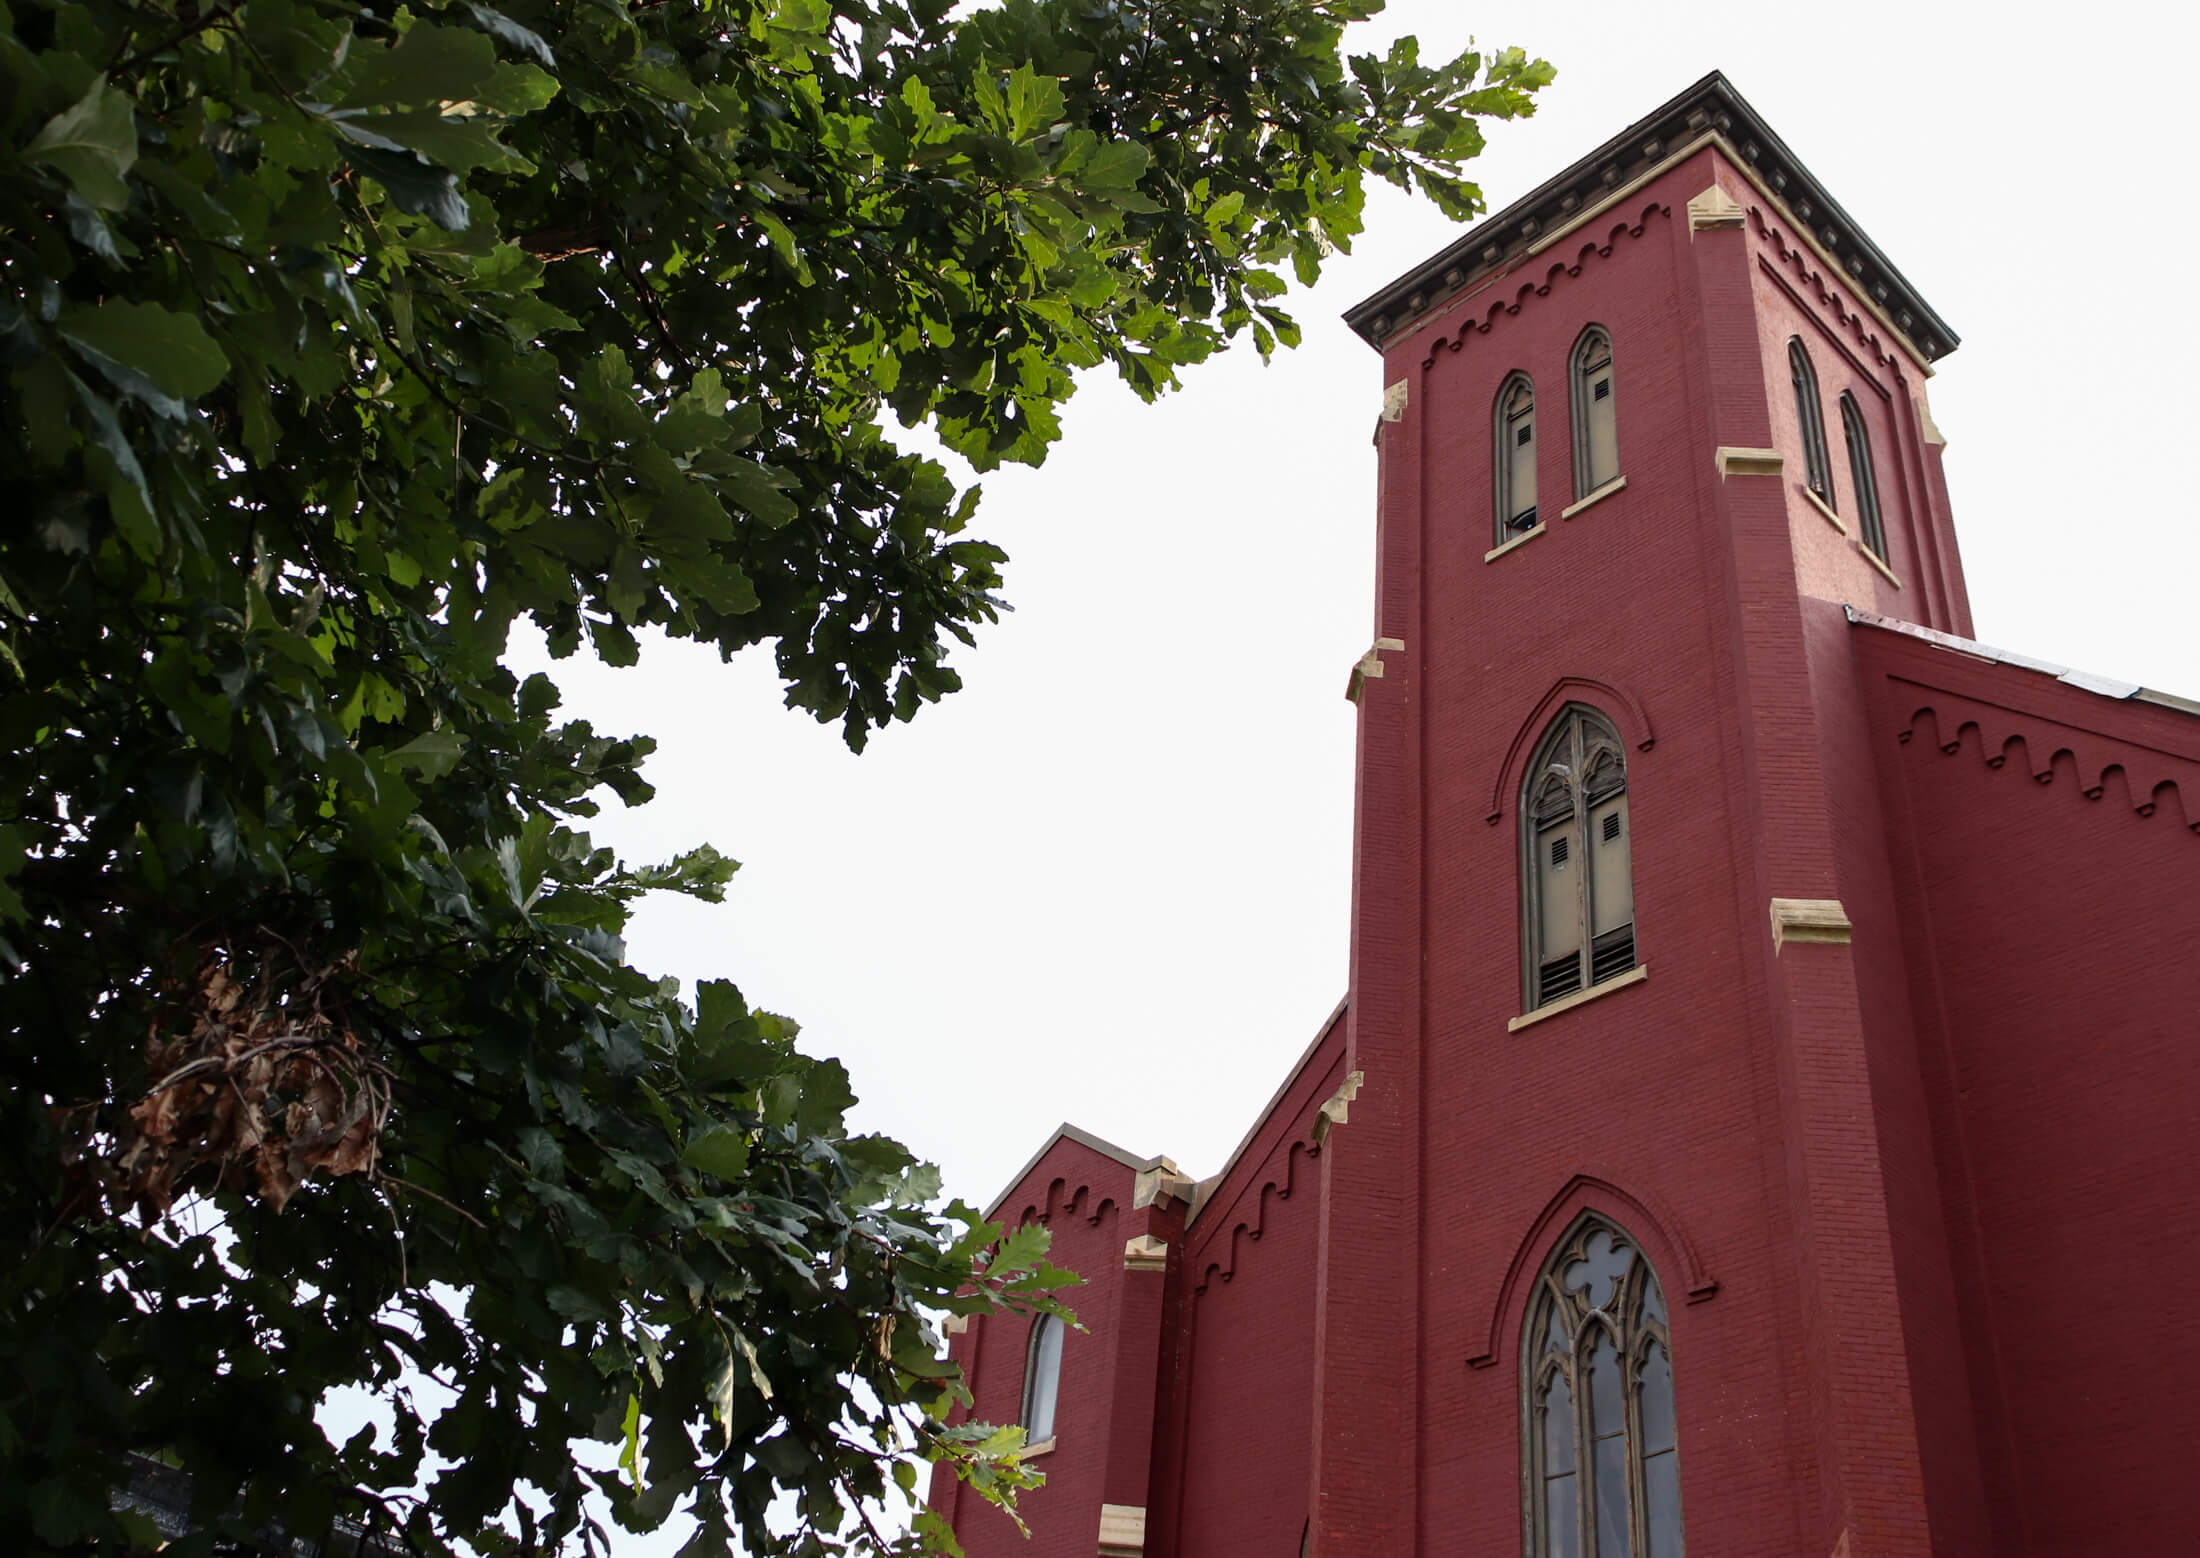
<point>1709,111</point>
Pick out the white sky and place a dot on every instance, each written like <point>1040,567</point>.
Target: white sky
<point>1108,881</point>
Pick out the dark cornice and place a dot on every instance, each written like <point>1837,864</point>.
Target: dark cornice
<point>1711,106</point>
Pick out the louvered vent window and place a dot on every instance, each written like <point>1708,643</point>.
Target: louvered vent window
<point>1514,446</point>
<point>1578,920</point>
<point>1612,955</point>
<point>1596,426</point>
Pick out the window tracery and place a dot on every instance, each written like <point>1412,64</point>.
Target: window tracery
<point>1602,1474</point>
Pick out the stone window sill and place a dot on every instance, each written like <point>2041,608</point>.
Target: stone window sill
<point>1825,509</point>
<point>1598,496</point>
<point>1877,562</point>
<point>1634,976</point>
<point>1043,1447</point>
<point>1522,539</point>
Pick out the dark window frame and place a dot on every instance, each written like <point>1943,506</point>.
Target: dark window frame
<point>1557,1346</point>
<point>1810,412</point>
<point>1580,764</point>
<point>1513,518</point>
<point>1582,372</point>
<point>1862,477</point>
<point>1041,1327</point>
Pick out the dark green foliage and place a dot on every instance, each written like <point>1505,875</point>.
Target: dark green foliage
<point>333,341</point>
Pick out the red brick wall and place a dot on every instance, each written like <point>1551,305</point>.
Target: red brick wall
<point>2062,1052</point>
<point>1234,1455</point>
<point>1084,1198</point>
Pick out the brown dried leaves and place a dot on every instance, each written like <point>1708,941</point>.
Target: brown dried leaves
<point>259,1090</point>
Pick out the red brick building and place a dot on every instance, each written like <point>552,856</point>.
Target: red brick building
<point>1796,1179</point>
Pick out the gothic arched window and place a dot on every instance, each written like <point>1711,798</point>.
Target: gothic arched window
<point>1596,421</point>
<point>1515,458</point>
<point>1042,1378</point>
<point>1861,478</point>
<point>1602,1474</point>
<point>1577,876</point>
<point>1817,470</point>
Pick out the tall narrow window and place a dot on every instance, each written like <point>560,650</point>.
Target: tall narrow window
<point>1817,470</point>
<point>1579,918</point>
<point>1603,1466</point>
<point>1042,1378</point>
<point>1515,458</point>
<point>1596,422</point>
<point>1861,478</point>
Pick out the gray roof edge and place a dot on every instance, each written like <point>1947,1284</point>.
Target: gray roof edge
<point>2085,681</point>
<point>1203,1192</point>
<point>1710,105</point>
<point>1084,1138</point>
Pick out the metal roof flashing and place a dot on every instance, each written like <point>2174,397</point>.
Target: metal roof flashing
<point>2084,681</point>
<point>1710,109</point>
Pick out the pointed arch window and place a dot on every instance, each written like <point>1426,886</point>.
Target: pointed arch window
<point>1817,470</point>
<point>1861,478</point>
<point>1602,1474</point>
<point>1042,1378</point>
<point>1515,462</point>
<point>1596,419</point>
<point>1578,874</point>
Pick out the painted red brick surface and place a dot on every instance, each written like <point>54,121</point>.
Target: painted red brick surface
<point>1917,1199</point>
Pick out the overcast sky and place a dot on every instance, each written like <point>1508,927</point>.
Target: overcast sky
<point>1108,881</point>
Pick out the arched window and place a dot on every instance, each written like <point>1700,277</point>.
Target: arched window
<point>1603,1469</point>
<point>1596,422</point>
<point>1042,1378</point>
<point>1861,478</point>
<point>1817,471</point>
<point>1579,916</point>
<point>1515,461</point>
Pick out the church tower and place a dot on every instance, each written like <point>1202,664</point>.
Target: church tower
<point>1644,434</point>
<point>1772,1027</point>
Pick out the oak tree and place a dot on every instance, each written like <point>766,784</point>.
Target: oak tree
<point>337,339</point>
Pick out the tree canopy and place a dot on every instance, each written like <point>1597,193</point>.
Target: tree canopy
<point>334,341</point>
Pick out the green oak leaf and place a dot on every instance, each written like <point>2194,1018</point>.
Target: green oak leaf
<point>92,143</point>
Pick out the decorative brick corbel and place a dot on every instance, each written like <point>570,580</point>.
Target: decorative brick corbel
<point>1337,1108</point>
<point>1369,667</point>
<point>1122,1530</point>
<point>1809,919</point>
<point>1146,1253</point>
<point>1714,210</point>
<point>1746,462</point>
<point>1160,1183</point>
